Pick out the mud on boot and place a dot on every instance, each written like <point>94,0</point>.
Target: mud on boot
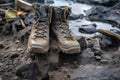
<point>39,38</point>
<point>67,43</point>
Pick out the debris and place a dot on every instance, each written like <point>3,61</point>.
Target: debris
<point>108,33</point>
<point>49,1</point>
<point>10,13</point>
<point>83,42</point>
<point>100,2</point>
<point>75,17</point>
<point>19,49</point>
<point>98,58</point>
<point>91,28</point>
<point>105,41</point>
<point>28,71</point>
<point>115,31</point>
<point>21,13</point>
<point>23,34</point>
<point>104,14</point>
<point>22,23</point>
<point>21,4</point>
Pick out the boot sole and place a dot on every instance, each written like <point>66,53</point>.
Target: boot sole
<point>38,50</point>
<point>71,50</point>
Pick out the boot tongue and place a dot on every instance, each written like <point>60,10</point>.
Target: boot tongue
<point>42,11</point>
<point>57,13</point>
<point>65,13</point>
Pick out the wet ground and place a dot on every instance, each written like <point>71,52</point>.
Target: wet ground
<point>93,63</point>
<point>80,8</point>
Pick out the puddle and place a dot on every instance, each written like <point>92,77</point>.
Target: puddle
<point>79,8</point>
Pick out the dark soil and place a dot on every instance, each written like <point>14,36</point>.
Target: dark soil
<point>95,62</point>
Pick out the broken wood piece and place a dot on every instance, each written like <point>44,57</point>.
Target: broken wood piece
<point>22,23</point>
<point>110,34</point>
<point>20,4</point>
<point>6,4</point>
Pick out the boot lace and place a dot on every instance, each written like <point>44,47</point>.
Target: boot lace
<point>64,28</point>
<point>41,30</point>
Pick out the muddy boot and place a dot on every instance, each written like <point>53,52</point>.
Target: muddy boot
<point>39,37</point>
<point>67,43</point>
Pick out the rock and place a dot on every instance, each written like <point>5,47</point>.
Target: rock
<point>98,58</point>
<point>96,44</point>
<point>96,48</point>
<point>28,71</point>
<point>100,2</point>
<point>23,34</point>
<point>35,1</point>
<point>1,45</point>
<point>14,55</point>
<point>115,31</point>
<point>83,42</point>
<point>104,61</point>
<point>87,57</point>
<point>91,28</point>
<point>107,56</point>
<point>17,41</point>
<point>49,1</point>
<point>64,69</point>
<point>1,64</point>
<point>104,14</point>
<point>19,49</point>
<point>74,16</point>
<point>105,42</point>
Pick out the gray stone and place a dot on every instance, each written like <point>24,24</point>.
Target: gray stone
<point>103,14</point>
<point>49,1</point>
<point>83,42</point>
<point>76,16</point>
<point>105,42</point>
<point>19,49</point>
<point>91,28</point>
<point>98,58</point>
<point>100,2</point>
<point>28,71</point>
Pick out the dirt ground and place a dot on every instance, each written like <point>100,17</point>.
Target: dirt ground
<point>93,63</point>
<point>17,64</point>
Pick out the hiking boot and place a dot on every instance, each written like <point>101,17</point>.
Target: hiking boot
<point>39,37</point>
<point>67,43</point>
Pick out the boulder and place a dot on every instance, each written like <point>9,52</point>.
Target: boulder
<point>104,14</point>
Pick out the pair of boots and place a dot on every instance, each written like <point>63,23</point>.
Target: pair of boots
<point>56,19</point>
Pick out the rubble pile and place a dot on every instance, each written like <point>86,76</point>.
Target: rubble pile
<point>94,58</point>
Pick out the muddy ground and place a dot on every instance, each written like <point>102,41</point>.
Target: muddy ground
<point>95,62</point>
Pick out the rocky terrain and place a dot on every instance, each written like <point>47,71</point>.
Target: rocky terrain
<point>98,60</point>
